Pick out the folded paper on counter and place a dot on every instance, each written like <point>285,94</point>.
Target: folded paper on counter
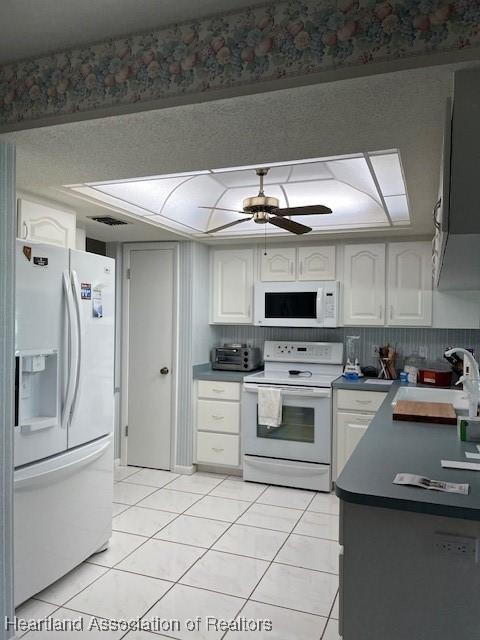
<point>436,485</point>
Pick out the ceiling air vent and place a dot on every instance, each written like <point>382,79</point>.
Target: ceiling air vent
<point>112,222</point>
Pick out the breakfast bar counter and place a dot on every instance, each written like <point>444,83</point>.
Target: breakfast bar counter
<point>409,556</point>
<point>390,447</point>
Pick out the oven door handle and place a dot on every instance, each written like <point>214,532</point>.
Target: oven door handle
<point>306,392</point>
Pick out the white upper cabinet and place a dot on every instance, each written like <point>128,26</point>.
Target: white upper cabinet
<point>278,265</point>
<point>364,284</point>
<point>316,263</point>
<point>232,286</point>
<point>287,264</point>
<point>409,290</point>
<point>43,223</point>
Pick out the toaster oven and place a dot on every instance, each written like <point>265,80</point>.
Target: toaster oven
<point>236,357</point>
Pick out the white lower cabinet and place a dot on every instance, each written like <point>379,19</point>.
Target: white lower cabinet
<point>354,412</point>
<point>215,415</point>
<point>218,448</point>
<point>350,429</point>
<point>218,423</point>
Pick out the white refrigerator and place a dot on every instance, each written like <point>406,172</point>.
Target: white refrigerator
<point>64,411</point>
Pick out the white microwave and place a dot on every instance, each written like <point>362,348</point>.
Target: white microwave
<point>297,304</point>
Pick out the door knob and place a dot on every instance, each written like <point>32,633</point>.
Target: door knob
<point>164,371</point>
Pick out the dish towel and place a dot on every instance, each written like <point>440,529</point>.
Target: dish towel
<point>269,407</point>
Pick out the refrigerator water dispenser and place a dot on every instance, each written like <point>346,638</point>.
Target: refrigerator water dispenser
<point>37,390</point>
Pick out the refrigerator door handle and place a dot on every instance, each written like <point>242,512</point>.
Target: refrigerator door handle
<point>55,473</point>
<point>77,296</point>
<point>72,349</point>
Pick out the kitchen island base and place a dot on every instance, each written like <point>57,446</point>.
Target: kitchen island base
<point>399,580</point>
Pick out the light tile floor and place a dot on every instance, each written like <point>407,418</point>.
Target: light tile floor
<point>206,545</point>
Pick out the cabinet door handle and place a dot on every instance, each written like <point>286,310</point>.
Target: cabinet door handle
<point>217,449</point>
<point>391,312</point>
<point>218,417</point>
<point>363,401</point>
<point>380,312</point>
<point>25,229</point>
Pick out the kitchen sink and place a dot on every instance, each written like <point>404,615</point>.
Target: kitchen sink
<point>459,399</point>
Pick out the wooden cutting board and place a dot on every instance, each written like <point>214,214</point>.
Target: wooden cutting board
<point>438,412</point>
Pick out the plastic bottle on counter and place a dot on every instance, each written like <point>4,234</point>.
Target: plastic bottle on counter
<point>413,363</point>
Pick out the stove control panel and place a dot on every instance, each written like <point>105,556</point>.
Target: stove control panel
<point>319,352</point>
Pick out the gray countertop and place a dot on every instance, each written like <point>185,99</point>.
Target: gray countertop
<point>390,447</point>
<point>362,384</point>
<point>205,372</point>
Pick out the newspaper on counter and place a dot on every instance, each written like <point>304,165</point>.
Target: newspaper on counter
<point>426,483</point>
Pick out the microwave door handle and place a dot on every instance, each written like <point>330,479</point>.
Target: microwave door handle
<point>320,305</point>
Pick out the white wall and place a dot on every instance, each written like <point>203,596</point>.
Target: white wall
<point>202,332</point>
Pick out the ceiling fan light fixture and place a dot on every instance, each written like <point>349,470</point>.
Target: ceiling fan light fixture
<point>261,217</point>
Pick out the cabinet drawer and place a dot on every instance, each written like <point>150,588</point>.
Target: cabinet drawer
<point>217,448</point>
<point>215,415</point>
<point>219,390</point>
<point>360,400</point>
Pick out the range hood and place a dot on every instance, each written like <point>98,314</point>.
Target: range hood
<point>457,214</point>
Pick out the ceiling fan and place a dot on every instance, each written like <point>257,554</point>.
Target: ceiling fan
<point>263,209</point>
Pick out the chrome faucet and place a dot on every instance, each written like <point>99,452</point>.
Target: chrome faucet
<point>470,379</point>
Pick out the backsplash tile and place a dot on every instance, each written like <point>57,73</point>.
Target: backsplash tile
<point>406,339</point>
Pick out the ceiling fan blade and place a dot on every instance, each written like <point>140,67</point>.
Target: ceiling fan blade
<point>311,210</point>
<point>289,225</point>
<point>230,224</point>
<point>221,209</point>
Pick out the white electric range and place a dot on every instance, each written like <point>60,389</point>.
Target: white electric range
<point>297,453</point>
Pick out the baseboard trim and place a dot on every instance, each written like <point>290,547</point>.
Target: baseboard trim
<point>226,471</point>
<point>184,469</point>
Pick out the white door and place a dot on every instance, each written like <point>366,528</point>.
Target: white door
<point>232,286</point>
<point>316,263</point>
<point>41,223</point>
<point>150,357</point>
<point>278,265</point>
<point>364,284</point>
<point>351,428</point>
<point>409,284</point>
<point>92,406</point>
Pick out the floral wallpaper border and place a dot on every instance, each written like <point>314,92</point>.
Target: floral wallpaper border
<point>275,41</point>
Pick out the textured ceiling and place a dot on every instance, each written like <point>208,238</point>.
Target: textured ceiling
<point>30,29</point>
<point>403,110</point>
